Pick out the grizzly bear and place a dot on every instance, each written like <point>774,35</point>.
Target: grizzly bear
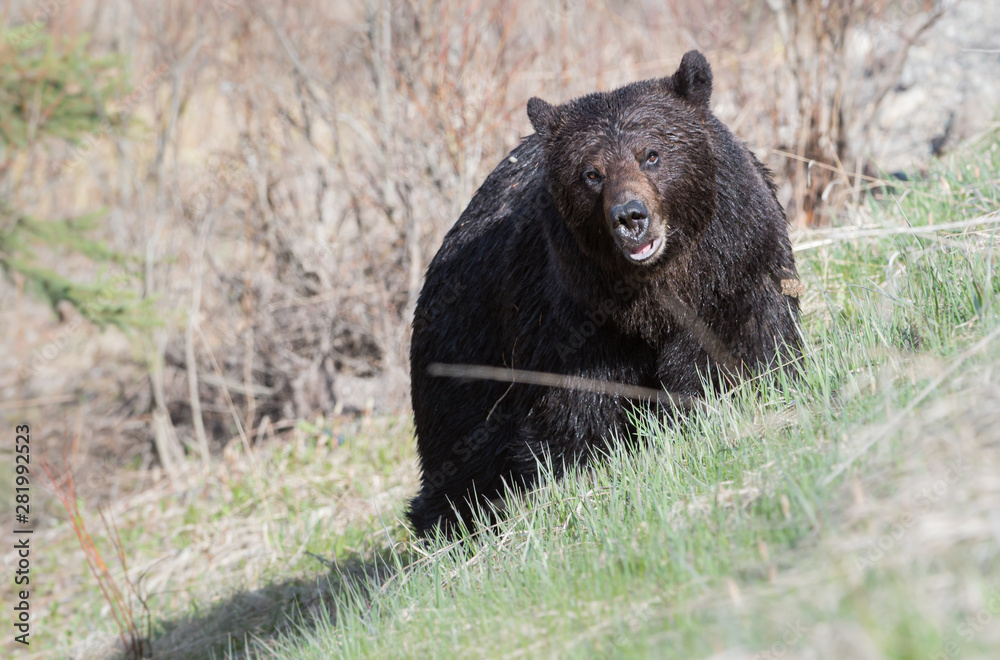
<point>631,240</point>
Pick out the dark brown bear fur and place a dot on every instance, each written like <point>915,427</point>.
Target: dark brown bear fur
<point>631,239</point>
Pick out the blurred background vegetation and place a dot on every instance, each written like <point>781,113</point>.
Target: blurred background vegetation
<point>249,193</point>
<point>215,215</point>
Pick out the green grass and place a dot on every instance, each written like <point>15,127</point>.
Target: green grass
<point>849,511</point>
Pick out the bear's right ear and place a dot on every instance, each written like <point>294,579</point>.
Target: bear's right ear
<point>693,79</point>
<point>544,117</point>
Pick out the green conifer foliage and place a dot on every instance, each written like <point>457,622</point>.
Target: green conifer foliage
<point>55,91</point>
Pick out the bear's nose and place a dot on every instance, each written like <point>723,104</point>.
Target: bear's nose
<point>631,216</point>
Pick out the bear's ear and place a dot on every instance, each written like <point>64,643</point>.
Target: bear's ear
<point>693,79</point>
<point>544,116</point>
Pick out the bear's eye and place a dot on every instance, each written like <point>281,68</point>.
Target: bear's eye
<point>592,177</point>
<point>652,158</point>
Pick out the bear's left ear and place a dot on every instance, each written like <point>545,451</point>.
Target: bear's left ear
<point>544,117</point>
<point>693,79</point>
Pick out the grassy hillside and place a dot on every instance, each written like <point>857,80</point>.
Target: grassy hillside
<point>852,512</point>
<point>848,514</point>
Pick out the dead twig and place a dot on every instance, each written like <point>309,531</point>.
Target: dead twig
<point>63,486</point>
<point>504,375</point>
<point>839,235</point>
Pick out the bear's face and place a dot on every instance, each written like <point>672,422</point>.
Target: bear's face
<point>631,171</point>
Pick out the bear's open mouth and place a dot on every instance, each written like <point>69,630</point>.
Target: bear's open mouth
<point>646,251</point>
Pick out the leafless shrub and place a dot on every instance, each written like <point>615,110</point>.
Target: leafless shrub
<point>842,57</point>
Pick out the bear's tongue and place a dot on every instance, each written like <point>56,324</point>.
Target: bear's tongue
<point>644,251</point>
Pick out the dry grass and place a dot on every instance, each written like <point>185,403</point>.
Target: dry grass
<point>248,525</point>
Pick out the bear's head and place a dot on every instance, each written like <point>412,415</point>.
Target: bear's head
<point>632,171</point>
